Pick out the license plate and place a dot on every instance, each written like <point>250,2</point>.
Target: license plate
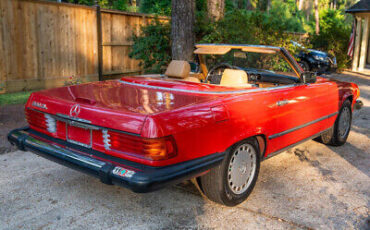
<point>78,135</point>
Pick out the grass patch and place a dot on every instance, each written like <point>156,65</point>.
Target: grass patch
<point>14,98</point>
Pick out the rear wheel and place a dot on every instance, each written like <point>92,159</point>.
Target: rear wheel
<point>232,181</point>
<point>338,134</point>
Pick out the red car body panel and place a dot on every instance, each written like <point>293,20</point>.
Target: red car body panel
<point>203,119</point>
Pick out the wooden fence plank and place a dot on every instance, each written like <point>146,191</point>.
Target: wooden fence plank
<point>2,50</point>
<point>43,43</point>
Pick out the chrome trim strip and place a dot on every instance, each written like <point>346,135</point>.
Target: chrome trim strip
<point>293,145</point>
<point>205,92</point>
<point>301,126</point>
<point>73,118</point>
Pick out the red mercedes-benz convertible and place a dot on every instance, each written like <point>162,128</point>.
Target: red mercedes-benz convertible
<point>214,120</point>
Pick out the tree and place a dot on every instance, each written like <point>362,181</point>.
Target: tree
<point>182,29</point>
<point>317,17</point>
<point>300,4</point>
<point>215,9</point>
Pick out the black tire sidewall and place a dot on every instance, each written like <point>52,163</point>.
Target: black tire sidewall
<point>229,198</point>
<point>337,140</point>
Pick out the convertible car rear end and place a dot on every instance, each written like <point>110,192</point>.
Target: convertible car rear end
<point>216,125</point>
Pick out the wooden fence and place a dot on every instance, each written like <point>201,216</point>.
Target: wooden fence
<point>43,44</point>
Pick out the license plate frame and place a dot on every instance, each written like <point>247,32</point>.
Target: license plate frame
<point>87,145</point>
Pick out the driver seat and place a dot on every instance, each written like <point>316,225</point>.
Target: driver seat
<point>235,78</point>
<point>180,69</point>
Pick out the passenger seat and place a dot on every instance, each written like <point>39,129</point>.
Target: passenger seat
<point>235,78</point>
<point>180,69</point>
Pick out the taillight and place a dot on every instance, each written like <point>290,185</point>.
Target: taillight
<point>36,119</point>
<point>44,123</point>
<point>149,148</point>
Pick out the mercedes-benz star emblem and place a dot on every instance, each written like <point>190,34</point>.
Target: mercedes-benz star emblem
<point>75,110</point>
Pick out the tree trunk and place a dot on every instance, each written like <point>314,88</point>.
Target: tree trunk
<point>268,5</point>
<point>215,9</point>
<point>182,29</point>
<point>300,4</point>
<point>317,16</point>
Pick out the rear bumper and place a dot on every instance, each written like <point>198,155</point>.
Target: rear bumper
<point>358,105</point>
<point>110,170</point>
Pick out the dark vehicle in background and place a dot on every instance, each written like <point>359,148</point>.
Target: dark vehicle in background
<point>315,60</point>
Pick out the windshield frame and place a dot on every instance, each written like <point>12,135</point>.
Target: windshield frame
<point>222,49</point>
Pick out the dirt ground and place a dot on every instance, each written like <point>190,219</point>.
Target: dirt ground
<point>312,186</point>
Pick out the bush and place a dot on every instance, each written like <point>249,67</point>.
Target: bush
<point>153,47</point>
<point>253,27</point>
<point>162,7</point>
<point>334,36</point>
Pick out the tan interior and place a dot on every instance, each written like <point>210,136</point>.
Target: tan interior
<point>234,78</point>
<point>266,85</point>
<point>218,50</point>
<point>180,69</point>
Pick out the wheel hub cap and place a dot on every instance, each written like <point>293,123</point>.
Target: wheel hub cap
<point>242,168</point>
<point>344,122</point>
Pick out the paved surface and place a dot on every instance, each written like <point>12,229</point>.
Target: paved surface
<point>312,186</point>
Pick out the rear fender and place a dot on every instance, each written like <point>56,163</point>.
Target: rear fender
<point>256,133</point>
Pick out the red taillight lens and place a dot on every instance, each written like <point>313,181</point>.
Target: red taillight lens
<point>36,120</point>
<point>149,148</point>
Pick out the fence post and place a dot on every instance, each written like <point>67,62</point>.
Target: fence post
<point>99,36</point>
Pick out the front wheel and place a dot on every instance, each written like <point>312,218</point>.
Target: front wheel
<point>338,134</point>
<point>232,181</point>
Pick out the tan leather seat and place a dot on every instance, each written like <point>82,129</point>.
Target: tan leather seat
<point>234,78</point>
<point>180,69</point>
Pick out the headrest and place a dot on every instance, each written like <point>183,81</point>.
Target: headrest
<point>178,69</point>
<point>234,78</point>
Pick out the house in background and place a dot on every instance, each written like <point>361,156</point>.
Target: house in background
<point>361,53</point>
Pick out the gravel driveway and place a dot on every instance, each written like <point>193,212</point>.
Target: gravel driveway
<point>312,186</point>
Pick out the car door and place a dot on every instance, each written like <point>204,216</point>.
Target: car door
<point>302,111</point>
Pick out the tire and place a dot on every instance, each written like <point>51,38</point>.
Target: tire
<point>338,134</point>
<point>305,66</point>
<point>231,182</point>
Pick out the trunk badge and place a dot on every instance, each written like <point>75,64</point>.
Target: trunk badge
<point>39,105</point>
<point>75,110</point>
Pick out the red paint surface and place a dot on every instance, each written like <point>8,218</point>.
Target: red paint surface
<point>200,124</point>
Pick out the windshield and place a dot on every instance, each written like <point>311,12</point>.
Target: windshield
<point>253,62</point>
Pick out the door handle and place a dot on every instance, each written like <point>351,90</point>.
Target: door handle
<point>282,102</point>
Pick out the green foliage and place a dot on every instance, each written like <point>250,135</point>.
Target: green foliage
<point>120,5</point>
<point>253,27</point>
<point>153,46</point>
<point>334,35</point>
<point>107,4</point>
<point>162,7</point>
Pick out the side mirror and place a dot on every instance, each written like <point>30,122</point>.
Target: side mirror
<point>308,77</point>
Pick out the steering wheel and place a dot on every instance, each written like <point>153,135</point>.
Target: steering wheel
<point>211,74</point>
